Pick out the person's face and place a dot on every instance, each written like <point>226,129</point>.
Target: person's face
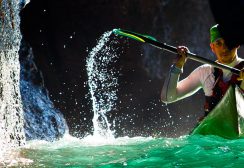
<point>223,54</point>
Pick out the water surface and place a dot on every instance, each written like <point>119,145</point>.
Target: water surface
<point>188,151</point>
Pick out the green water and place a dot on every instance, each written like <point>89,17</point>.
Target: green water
<point>189,151</point>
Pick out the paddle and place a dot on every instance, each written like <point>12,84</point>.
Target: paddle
<point>152,41</point>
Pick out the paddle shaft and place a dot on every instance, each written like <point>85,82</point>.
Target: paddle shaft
<point>192,56</point>
<point>173,49</point>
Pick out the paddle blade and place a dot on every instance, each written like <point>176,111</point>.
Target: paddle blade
<point>134,36</point>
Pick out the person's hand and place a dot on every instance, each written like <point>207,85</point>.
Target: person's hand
<point>241,75</point>
<point>182,56</point>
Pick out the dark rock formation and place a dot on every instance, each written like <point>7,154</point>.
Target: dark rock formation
<point>42,119</point>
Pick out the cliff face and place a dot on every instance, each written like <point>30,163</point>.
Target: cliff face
<point>11,113</point>
<point>62,33</point>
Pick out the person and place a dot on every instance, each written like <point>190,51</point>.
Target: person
<point>213,81</point>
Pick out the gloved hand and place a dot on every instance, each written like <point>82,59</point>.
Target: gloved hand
<point>182,56</point>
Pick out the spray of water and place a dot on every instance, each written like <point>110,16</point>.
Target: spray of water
<point>102,83</point>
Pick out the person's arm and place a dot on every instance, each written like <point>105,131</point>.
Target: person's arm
<point>174,90</point>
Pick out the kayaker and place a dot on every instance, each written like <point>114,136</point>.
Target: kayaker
<point>213,81</point>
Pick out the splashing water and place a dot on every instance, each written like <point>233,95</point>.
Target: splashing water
<point>189,151</point>
<point>102,85</point>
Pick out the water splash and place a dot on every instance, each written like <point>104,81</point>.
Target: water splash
<point>102,84</point>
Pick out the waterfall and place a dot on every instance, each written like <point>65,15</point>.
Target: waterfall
<point>11,112</point>
<point>102,83</point>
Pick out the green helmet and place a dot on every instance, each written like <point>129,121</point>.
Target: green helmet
<point>214,33</point>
